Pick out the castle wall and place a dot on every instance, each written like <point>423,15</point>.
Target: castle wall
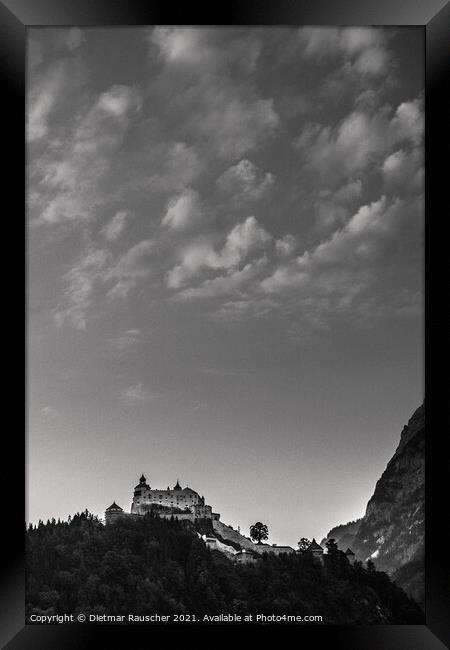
<point>180,516</point>
<point>246,558</point>
<point>145,496</point>
<point>111,517</point>
<point>216,545</point>
<point>275,550</point>
<point>226,532</point>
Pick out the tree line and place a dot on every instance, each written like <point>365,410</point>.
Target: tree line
<point>162,565</point>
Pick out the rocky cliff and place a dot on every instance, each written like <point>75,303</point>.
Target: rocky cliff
<point>391,533</point>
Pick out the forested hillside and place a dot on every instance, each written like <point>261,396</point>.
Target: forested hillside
<point>153,565</point>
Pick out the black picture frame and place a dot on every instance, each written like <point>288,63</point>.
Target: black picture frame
<point>434,17</point>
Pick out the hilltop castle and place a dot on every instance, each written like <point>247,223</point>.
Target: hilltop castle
<point>180,503</point>
<point>186,504</point>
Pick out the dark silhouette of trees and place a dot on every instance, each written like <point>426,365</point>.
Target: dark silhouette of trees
<point>332,547</point>
<point>259,532</point>
<point>303,544</point>
<point>150,565</point>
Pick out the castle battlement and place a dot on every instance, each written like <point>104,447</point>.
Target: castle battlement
<point>180,503</point>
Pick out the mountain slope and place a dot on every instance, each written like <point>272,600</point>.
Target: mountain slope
<point>344,535</point>
<point>392,531</point>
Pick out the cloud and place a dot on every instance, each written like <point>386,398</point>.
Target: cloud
<point>67,176</point>
<point>243,238</point>
<point>403,171</point>
<point>44,96</point>
<point>362,48</point>
<point>74,39</point>
<point>236,124</point>
<point>182,45</point>
<point>361,139</point>
<point>205,49</point>
<point>81,283</point>
<point>352,259</point>
<point>115,227</point>
<point>184,211</point>
<point>135,394</point>
<point>128,339</point>
<point>132,266</point>
<point>231,282</point>
<point>97,275</point>
<point>333,207</point>
<point>245,181</point>
<point>286,245</point>
<point>236,311</point>
<point>180,164</point>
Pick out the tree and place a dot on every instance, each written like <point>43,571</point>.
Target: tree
<point>259,532</point>
<point>303,544</point>
<point>332,547</point>
<point>370,566</point>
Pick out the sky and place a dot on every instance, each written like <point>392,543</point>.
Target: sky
<point>225,267</point>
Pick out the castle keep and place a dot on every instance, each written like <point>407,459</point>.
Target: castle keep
<point>180,503</point>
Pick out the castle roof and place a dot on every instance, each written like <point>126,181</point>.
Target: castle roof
<point>114,506</point>
<point>314,546</point>
<point>188,489</point>
<point>177,486</point>
<point>349,551</point>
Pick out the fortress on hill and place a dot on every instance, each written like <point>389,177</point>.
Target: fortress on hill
<point>176,501</point>
<point>185,504</point>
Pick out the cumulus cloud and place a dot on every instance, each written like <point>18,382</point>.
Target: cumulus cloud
<point>286,245</point>
<point>362,48</point>
<point>44,96</point>
<point>231,282</point>
<point>81,283</point>
<point>245,181</point>
<point>116,226</point>
<point>182,45</point>
<point>243,238</point>
<point>333,207</point>
<point>72,39</point>
<point>68,173</point>
<point>184,211</point>
<point>361,139</point>
<point>205,49</point>
<point>132,266</point>
<point>236,124</point>
<point>351,258</point>
<point>192,161</point>
<point>403,171</point>
<point>98,274</point>
<point>180,164</point>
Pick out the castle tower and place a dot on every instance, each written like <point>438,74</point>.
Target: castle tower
<point>113,512</point>
<point>141,488</point>
<point>316,550</point>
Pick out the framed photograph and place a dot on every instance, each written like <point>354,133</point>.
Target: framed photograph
<point>224,221</point>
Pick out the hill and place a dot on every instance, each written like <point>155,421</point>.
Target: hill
<point>153,565</point>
